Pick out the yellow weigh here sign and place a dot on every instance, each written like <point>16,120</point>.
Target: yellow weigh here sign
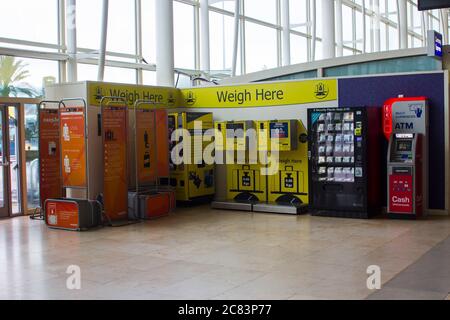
<point>160,96</point>
<point>257,95</point>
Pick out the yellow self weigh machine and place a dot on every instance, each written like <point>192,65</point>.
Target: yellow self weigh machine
<point>265,186</point>
<point>287,186</point>
<point>192,181</point>
<point>245,183</point>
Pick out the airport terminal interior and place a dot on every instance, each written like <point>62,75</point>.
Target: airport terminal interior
<point>224,150</point>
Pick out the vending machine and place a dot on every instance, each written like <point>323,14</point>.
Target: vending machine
<point>405,164</point>
<point>344,161</point>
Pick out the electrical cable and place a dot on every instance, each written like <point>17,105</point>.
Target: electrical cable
<point>108,219</point>
<point>37,214</point>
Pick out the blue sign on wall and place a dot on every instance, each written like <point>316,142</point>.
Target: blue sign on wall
<point>434,44</point>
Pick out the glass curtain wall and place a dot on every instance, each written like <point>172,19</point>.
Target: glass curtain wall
<point>30,28</point>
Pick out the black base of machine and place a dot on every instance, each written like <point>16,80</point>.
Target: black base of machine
<point>400,216</point>
<point>343,214</point>
<point>246,197</point>
<point>195,201</point>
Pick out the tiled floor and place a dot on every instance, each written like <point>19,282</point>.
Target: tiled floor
<point>200,253</point>
<point>427,278</point>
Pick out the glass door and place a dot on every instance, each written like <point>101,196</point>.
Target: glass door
<point>15,168</point>
<point>10,165</point>
<point>4,166</point>
<point>31,156</point>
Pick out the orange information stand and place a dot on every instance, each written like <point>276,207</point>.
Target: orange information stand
<point>64,166</point>
<point>49,151</point>
<point>150,199</point>
<point>114,128</point>
<point>85,160</point>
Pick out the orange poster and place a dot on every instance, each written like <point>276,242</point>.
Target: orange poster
<point>145,146</point>
<point>49,155</point>
<point>73,146</point>
<point>115,184</point>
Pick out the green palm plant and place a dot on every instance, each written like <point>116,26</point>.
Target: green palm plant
<point>12,74</point>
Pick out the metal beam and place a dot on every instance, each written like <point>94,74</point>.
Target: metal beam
<point>103,39</point>
<point>339,29</point>
<point>164,43</point>
<point>286,35</point>
<point>402,24</point>
<point>328,37</point>
<point>71,28</point>
<point>204,36</point>
<point>236,36</point>
<point>376,31</point>
<point>32,54</point>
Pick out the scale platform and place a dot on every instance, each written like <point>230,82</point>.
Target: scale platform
<point>280,208</point>
<point>232,205</point>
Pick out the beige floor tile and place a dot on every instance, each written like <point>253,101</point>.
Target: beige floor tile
<point>199,253</point>
<point>233,276</point>
<point>305,297</point>
<point>270,286</point>
<point>197,288</point>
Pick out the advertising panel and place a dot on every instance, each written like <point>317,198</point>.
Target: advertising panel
<point>62,214</point>
<point>49,168</point>
<point>401,194</point>
<point>162,134</point>
<point>145,146</point>
<point>115,186</point>
<point>73,146</point>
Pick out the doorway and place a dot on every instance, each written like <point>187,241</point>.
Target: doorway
<point>15,151</point>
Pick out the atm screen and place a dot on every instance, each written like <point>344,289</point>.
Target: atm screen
<point>404,146</point>
<point>279,130</point>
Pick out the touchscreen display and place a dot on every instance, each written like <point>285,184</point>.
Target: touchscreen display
<point>404,145</point>
<point>279,130</point>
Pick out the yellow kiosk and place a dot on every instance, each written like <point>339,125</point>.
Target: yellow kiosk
<point>250,185</point>
<point>245,184</point>
<point>192,181</point>
<point>287,188</point>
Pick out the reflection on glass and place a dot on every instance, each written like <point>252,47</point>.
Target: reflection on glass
<point>32,154</point>
<point>14,145</point>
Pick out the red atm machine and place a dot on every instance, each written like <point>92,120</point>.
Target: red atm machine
<point>405,165</point>
<point>405,114</point>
